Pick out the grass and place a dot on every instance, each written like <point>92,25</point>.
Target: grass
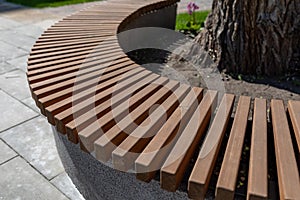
<point>47,3</point>
<point>183,18</point>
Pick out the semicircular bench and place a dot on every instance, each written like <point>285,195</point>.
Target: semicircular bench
<point>132,119</point>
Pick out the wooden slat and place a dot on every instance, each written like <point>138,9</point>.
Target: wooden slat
<point>101,115</point>
<point>79,58</point>
<point>40,52</point>
<point>231,162</point>
<point>81,63</point>
<point>69,83</point>
<point>67,38</point>
<point>60,95</point>
<point>156,151</point>
<point>203,168</point>
<point>105,145</point>
<point>62,55</point>
<point>258,165</point>
<point>95,102</point>
<point>47,79</point>
<point>69,43</point>
<point>287,171</point>
<point>294,113</point>
<point>88,55</point>
<point>124,155</point>
<point>102,90</point>
<point>174,167</point>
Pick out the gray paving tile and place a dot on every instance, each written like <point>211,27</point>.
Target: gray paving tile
<point>20,181</point>
<point>9,51</point>
<point>15,84</point>
<point>35,142</point>
<point>20,62</point>
<point>66,186</point>
<point>8,23</point>
<point>30,30</point>
<point>46,23</point>
<point>13,112</point>
<point>31,103</point>
<point>5,66</point>
<point>17,39</point>
<point>6,152</point>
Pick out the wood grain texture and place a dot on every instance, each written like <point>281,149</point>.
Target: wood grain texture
<point>157,150</point>
<point>231,162</point>
<point>287,170</point>
<point>174,167</point>
<point>258,164</point>
<point>202,170</point>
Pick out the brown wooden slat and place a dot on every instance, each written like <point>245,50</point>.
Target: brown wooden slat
<point>42,80</point>
<point>123,157</point>
<point>294,113</point>
<point>66,41</point>
<point>69,43</point>
<point>69,83</point>
<point>155,153</point>
<point>49,37</point>
<point>67,38</point>
<point>107,120</point>
<point>175,166</point>
<point>143,87</point>
<point>51,34</point>
<point>258,165</point>
<point>200,176</point>
<point>64,53</point>
<point>287,171</point>
<point>114,136</point>
<point>40,52</point>
<point>99,101</point>
<point>106,82</point>
<point>81,63</point>
<point>79,29</point>
<point>63,94</point>
<point>231,162</point>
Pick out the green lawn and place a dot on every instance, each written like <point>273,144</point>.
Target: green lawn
<point>47,3</point>
<point>183,18</point>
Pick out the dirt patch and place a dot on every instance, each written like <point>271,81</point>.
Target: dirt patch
<point>173,67</point>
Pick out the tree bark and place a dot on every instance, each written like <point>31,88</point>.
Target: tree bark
<point>258,37</point>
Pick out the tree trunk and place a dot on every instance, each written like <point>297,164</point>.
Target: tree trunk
<point>258,37</point>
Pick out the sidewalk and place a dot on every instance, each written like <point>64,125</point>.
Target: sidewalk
<point>30,167</point>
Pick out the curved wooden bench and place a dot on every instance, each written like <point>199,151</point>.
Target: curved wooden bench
<point>88,88</point>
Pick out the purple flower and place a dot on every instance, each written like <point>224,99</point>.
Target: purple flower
<point>195,7</point>
<point>191,7</point>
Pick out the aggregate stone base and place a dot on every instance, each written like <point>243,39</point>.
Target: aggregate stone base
<point>97,181</point>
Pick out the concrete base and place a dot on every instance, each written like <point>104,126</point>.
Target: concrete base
<point>95,180</point>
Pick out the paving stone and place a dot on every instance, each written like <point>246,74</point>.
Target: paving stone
<point>15,84</point>
<point>5,66</point>
<point>34,141</point>
<point>20,63</point>
<point>9,51</point>
<point>66,186</point>
<point>31,103</point>
<point>46,23</point>
<point>13,112</point>
<point>20,181</point>
<point>6,152</point>
<point>30,30</point>
<point>17,39</point>
<point>8,23</point>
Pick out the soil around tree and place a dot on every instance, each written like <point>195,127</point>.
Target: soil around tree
<point>175,68</point>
